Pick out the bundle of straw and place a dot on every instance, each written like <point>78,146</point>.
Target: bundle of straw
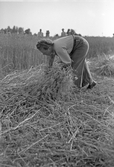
<point>105,66</point>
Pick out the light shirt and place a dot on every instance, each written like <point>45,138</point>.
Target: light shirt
<point>63,47</point>
<point>40,34</point>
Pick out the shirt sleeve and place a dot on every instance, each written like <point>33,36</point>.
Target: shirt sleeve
<point>63,55</point>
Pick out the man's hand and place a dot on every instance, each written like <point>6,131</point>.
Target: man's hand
<point>47,69</point>
<point>50,60</point>
<point>66,66</point>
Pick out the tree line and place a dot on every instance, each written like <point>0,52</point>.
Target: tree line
<point>16,30</point>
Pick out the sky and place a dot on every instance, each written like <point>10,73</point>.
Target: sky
<point>86,17</point>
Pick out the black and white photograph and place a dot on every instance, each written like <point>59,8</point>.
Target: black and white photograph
<point>56,83</point>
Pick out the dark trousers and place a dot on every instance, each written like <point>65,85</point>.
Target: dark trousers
<point>81,72</point>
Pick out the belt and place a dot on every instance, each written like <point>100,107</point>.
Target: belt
<point>78,42</point>
<point>73,45</point>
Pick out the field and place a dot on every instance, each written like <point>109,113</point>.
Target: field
<point>18,52</point>
<point>45,121</point>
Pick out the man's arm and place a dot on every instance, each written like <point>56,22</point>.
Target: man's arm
<point>63,55</point>
<point>50,60</point>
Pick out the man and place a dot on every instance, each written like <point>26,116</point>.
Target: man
<point>72,50</point>
<point>40,33</point>
<point>63,33</point>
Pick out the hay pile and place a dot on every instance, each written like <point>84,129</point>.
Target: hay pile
<point>105,66</point>
<point>43,124</point>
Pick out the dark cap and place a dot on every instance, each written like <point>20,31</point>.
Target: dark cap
<point>45,42</point>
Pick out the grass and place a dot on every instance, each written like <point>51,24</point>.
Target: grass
<point>100,46</point>
<point>18,52</point>
<point>47,122</point>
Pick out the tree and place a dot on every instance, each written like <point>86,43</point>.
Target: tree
<point>35,34</point>
<point>8,29</point>
<point>15,29</point>
<point>27,31</point>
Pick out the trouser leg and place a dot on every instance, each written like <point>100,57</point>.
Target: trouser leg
<point>87,77</point>
<point>78,74</point>
<point>79,65</point>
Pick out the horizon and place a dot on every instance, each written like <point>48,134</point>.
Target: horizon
<point>86,17</point>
